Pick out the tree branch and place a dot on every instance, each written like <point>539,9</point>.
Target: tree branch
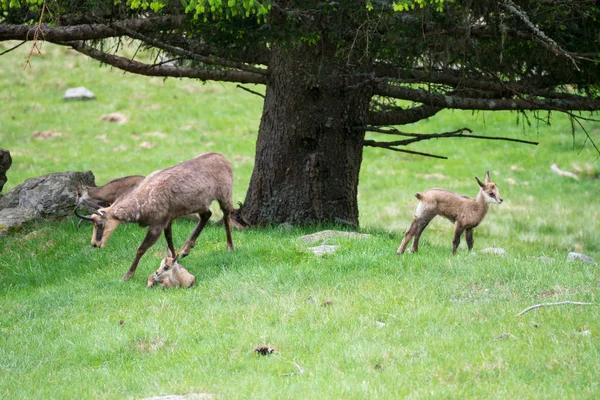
<point>539,35</point>
<point>373,143</point>
<point>458,81</point>
<point>88,31</point>
<point>137,67</point>
<point>471,103</point>
<point>418,137</point>
<point>401,116</point>
<point>211,60</point>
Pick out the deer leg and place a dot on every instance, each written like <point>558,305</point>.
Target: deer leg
<point>151,237</point>
<point>408,235</point>
<point>423,222</point>
<point>191,242</point>
<point>458,230</point>
<point>226,223</point>
<point>469,237</point>
<point>169,238</point>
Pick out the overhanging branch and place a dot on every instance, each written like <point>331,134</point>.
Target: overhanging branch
<point>373,143</point>
<point>88,31</point>
<point>418,137</point>
<point>402,116</point>
<point>211,60</point>
<point>471,103</point>
<point>137,67</point>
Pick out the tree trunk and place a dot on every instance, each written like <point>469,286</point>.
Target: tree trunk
<point>308,151</point>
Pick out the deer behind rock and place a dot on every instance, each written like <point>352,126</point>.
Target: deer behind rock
<point>464,212</point>
<point>171,274</point>
<point>95,196</point>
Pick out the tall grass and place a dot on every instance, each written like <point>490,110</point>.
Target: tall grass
<point>361,323</point>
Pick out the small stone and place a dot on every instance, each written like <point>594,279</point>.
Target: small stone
<point>79,93</point>
<point>494,250</point>
<point>327,234</point>
<point>580,257</point>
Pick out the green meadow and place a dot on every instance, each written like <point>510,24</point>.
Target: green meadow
<point>361,323</point>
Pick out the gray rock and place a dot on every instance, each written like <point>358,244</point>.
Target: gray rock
<point>323,235</point>
<point>580,257</point>
<point>322,250</point>
<point>52,195</point>
<point>494,250</point>
<point>5,163</point>
<point>78,93</point>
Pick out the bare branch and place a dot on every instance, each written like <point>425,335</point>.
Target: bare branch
<point>12,48</point>
<point>472,103</point>
<point>373,143</point>
<point>137,67</point>
<point>417,137</point>
<point>577,303</point>
<point>250,91</point>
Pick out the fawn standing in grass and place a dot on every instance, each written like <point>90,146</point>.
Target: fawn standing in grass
<point>464,212</point>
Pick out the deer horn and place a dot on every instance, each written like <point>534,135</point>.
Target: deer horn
<point>81,217</point>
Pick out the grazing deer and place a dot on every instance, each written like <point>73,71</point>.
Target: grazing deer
<point>186,188</point>
<point>171,274</point>
<point>464,212</point>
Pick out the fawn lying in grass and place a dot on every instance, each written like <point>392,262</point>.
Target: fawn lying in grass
<point>171,274</point>
<point>464,212</point>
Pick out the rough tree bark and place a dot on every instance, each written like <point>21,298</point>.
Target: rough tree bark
<point>308,152</point>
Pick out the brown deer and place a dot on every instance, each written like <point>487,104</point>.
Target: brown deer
<point>171,274</point>
<point>464,212</point>
<point>95,196</point>
<point>186,188</point>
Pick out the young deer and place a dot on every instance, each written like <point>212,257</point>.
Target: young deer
<point>171,274</point>
<point>464,212</point>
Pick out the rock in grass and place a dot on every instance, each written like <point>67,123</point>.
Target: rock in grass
<point>323,235</point>
<point>580,257</point>
<point>79,93</point>
<point>51,195</point>
<point>494,250</point>
<point>322,250</point>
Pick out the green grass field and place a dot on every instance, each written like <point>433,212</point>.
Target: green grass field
<point>362,323</point>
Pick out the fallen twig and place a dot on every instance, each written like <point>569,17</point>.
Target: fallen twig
<point>300,370</point>
<point>560,303</point>
<point>560,172</point>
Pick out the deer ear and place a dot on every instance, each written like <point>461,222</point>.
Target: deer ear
<point>479,182</point>
<point>169,254</point>
<point>487,177</point>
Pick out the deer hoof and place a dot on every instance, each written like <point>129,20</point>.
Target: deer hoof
<point>127,277</point>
